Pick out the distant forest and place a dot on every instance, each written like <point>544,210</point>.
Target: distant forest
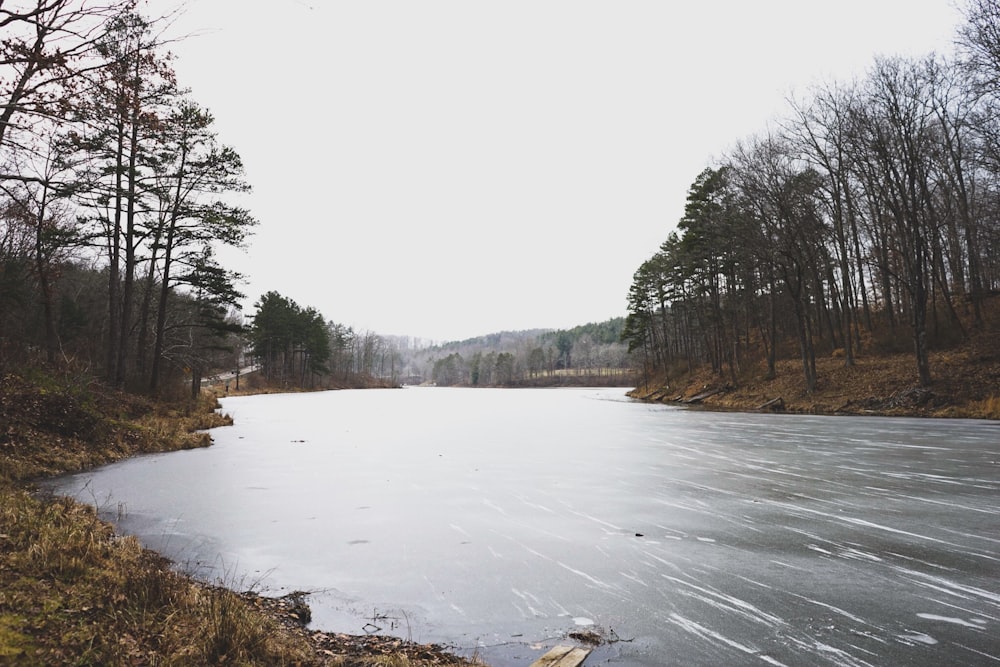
<point>866,219</point>
<point>586,354</point>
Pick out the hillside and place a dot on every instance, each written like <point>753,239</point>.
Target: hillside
<point>581,356</point>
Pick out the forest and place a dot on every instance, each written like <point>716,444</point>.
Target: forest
<point>116,196</point>
<point>867,219</point>
<point>295,346</point>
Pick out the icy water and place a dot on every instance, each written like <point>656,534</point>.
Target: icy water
<point>499,521</point>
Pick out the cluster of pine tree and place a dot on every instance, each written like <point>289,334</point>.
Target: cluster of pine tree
<point>296,346</point>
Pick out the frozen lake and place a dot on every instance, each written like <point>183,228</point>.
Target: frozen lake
<point>498,521</point>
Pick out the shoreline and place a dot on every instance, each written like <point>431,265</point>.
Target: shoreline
<point>966,386</point>
<point>73,590</point>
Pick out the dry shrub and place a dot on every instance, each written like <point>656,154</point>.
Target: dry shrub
<point>987,409</point>
<point>61,538</point>
<point>234,632</point>
<point>149,586</point>
<point>255,382</point>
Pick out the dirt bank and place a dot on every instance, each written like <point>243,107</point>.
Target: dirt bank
<point>966,384</point>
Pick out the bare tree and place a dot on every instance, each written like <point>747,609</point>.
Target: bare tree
<point>893,149</point>
<point>980,39</point>
<point>821,131</point>
<point>786,199</point>
<point>46,53</point>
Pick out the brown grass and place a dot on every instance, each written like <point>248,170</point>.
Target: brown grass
<point>74,592</point>
<point>988,408</point>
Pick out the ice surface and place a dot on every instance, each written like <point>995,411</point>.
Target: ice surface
<point>497,520</point>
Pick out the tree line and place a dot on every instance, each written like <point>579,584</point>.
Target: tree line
<point>115,194</point>
<point>296,346</point>
<point>591,352</point>
<point>868,216</point>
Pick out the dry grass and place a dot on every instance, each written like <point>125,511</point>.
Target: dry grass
<point>74,592</point>
<point>988,408</point>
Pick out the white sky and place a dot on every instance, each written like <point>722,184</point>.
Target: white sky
<point>451,168</point>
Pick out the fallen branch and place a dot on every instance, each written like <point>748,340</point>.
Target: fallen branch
<point>702,396</point>
<point>775,405</point>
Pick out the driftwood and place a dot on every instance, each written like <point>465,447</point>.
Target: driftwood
<point>659,394</point>
<point>703,395</point>
<point>775,404</point>
<point>562,656</point>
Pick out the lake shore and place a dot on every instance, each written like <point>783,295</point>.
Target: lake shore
<point>497,540</point>
<point>68,583</point>
<point>73,591</point>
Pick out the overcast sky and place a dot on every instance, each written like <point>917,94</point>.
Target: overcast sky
<point>450,168</point>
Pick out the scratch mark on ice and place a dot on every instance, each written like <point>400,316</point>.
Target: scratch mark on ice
<point>952,619</point>
<point>741,607</point>
<point>985,655</point>
<point>706,633</point>
<point>916,637</point>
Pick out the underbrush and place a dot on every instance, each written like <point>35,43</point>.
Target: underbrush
<point>964,384</point>
<point>51,425</point>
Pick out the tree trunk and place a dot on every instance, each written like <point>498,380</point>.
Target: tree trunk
<point>919,313</point>
<point>114,264</point>
<point>42,268</point>
<point>128,287</point>
<point>168,247</point>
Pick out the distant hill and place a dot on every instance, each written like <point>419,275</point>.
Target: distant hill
<point>585,354</point>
